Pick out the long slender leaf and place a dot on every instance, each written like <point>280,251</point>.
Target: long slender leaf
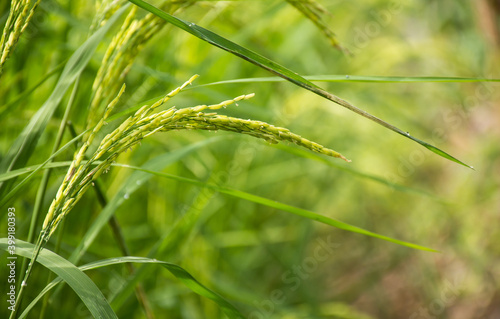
<point>179,272</point>
<point>292,150</point>
<point>84,287</point>
<point>28,169</point>
<point>99,223</point>
<point>323,78</point>
<point>278,70</point>
<point>24,146</point>
<point>357,78</point>
<point>281,206</point>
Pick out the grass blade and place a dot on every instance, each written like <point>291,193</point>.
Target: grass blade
<point>185,277</point>
<point>228,191</point>
<point>357,78</point>
<point>291,150</point>
<point>76,279</point>
<point>279,70</point>
<point>179,272</point>
<point>281,206</point>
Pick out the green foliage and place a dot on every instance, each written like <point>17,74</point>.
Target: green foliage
<point>250,218</point>
<point>88,291</point>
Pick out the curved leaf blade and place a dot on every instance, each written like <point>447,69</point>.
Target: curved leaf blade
<point>180,273</point>
<point>281,206</point>
<point>84,287</point>
<point>357,78</point>
<point>279,70</point>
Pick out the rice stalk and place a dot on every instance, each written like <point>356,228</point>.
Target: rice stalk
<point>81,174</point>
<point>104,10</point>
<point>20,14</point>
<point>123,50</point>
<point>145,123</point>
<point>118,59</point>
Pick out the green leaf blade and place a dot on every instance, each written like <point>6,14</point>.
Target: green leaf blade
<point>358,78</point>
<point>281,206</point>
<point>180,273</point>
<point>276,69</point>
<point>81,284</point>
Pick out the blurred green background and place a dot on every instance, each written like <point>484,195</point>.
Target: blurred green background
<point>269,263</point>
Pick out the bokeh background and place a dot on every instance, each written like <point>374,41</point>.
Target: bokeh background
<point>269,263</point>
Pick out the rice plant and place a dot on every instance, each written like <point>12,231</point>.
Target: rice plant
<point>106,134</point>
<point>19,17</point>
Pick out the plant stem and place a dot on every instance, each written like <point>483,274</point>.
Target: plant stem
<point>120,239</point>
<point>38,248</point>
<point>46,176</point>
<point>45,301</point>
